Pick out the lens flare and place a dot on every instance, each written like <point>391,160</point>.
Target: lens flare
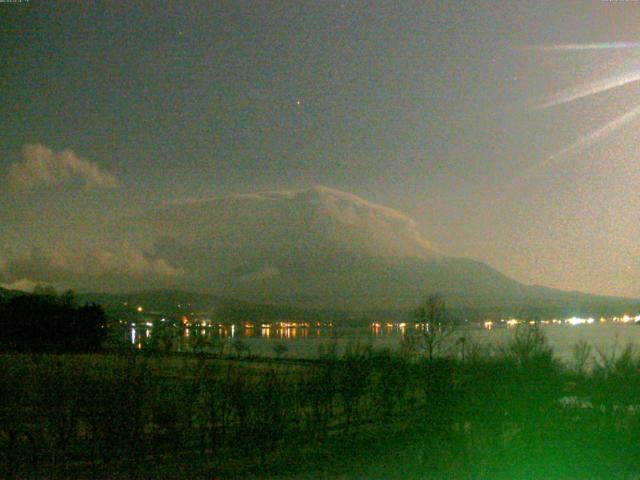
<point>588,89</point>
<point>594,136</point>
<point>577,47</point>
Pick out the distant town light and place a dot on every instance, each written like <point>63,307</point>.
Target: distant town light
<point>575,321</point>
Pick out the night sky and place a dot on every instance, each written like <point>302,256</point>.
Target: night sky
<point>506,130</point>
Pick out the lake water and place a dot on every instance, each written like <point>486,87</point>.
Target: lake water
<point>305,341</point>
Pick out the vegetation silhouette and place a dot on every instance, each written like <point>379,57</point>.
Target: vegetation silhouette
<point>512,411</point>
<point>436,329</point>
<point>46,322</point>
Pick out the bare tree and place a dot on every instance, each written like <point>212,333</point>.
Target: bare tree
<point>435,326</point>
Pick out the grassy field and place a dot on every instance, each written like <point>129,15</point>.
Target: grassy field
<point>513,413</point>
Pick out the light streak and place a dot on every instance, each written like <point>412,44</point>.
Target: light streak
<point>577,47</point>
<point>594,136</point>
<point>588,89</point>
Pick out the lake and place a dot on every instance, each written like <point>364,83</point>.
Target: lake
<point>304,340</point>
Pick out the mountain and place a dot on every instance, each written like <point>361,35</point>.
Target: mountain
<point>175,303</point>
<point>324,248</point>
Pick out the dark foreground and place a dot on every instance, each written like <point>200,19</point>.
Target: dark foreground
<point>509,414</point>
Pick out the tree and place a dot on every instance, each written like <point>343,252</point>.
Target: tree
<point>436,326</point>
<point>45,322</point>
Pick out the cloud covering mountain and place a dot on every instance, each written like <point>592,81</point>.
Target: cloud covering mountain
<point>236,231</point>
<point>275,245</point>
<point>322,247</point>
<point>317,247</point>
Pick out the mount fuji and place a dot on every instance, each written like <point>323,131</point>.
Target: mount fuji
<point>325,248</point>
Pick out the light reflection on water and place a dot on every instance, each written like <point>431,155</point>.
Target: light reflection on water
<point>303,341</point>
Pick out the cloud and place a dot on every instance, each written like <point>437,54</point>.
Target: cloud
<point>240,245</point>
<point>41,167</point>
<point>24,284</point>
<point>99,268</point>
<point>267,273</point>
<point>237,235</point>
<point>314,217</point>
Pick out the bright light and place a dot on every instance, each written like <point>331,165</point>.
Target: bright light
<point>575,321</point>
<point>140,309</point>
